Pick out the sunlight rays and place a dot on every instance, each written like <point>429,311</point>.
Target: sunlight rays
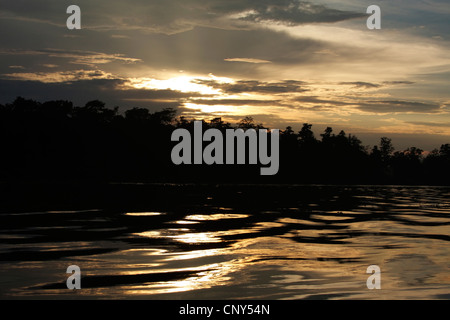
<point>180,83</point>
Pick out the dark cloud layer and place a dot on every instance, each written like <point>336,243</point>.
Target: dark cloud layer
<point>398,106</point>
<point>371,85</point>
<point>101,89</point>
<point>315,99</point>
<point>172,16</point>
<point>294,12</point>
<point>361,84</point>
<point>255,86</point>
<point>236,102</point>
<point>373,106</point>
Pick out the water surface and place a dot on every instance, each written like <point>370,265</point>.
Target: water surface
<point>233,242</point>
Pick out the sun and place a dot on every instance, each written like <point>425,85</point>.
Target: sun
<point>180,83</point>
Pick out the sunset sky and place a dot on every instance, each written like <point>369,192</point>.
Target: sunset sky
<point>283,62</point>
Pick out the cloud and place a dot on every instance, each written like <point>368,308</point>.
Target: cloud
<point>370,85</point>
<point>315,99</point>
<point>235,102</point>
<point>110,91</point>
<point>352,78</point>
<point>397,82</point>
<point>326,52</point>
<point>61,76</point>
<point>248,60</point>
<point>82,57</point>
<point>295,12</point>
<point>49,65</point>
<point>360,84</point>
<point>255,86</point>
<point>430,124</point>
<point>370,106</point>
<point>398,106</point>
<point>173,16</point>
<point>207,50</point>
<point>119,36</point>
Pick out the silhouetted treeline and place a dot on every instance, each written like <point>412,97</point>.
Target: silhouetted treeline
<point>57,141</point>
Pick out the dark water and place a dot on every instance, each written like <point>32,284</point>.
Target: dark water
<point>233,242</point>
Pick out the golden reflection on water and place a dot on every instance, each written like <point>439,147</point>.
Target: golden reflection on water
<point>183,234</point>
<point>256,253</point>
<point>215,217</point>
<point>237,257</point>
<point>186,222</point>
<point>161,233</point>
<point>197,237</point>
<point>289,255</point>
<point>144,214</point>
<point>273,253</point>
<point>193,254</point>
<point>333,218</point>
<point>202,280</point>
<point>299,221</point>
<point>206,275</point>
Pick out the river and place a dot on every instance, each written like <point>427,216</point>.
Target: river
<point>233,242</point>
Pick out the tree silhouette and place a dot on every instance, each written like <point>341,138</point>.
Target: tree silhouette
<point>326,136</point>
<point>386,148</point>
<point>249,123</point>
<point>306,136</point>
<point>57,141</point>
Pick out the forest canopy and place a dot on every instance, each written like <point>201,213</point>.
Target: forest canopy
<point>57,141</point>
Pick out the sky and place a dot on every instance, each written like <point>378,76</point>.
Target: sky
<point>282,62</point>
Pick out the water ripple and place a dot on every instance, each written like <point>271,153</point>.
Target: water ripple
<point>263,242</point>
